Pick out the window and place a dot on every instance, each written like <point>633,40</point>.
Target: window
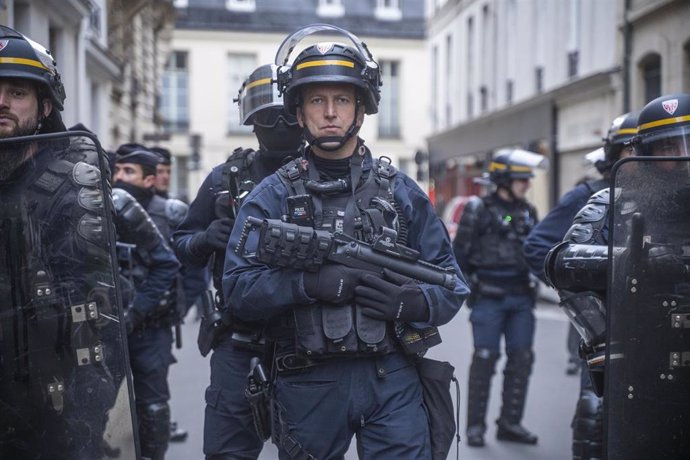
<point>389,106</point>
<point>651,76</point>
<point>539,79</point>
<point>330,8</point>
<point>175,93</point>
<point>468,65</point>
<point>509,91</point>
<point>483,98</point>
<point>239,68</point>
<point>573,59</point>
<point>388,10</point>
<point>434,87</point>
<point>240,5</point>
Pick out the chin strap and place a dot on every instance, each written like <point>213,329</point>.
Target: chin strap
<point>339,141</point>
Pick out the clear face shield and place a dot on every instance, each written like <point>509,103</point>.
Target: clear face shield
<point>673,142</point>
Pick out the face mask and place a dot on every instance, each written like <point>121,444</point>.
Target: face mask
<point>280,138</point>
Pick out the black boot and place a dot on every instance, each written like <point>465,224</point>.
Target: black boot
<point>177,434</point>
<point>515,380</point>
<point>481,371</point>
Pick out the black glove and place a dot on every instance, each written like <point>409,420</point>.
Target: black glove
<point>332,283</point>
<point>663,261</point>
<point>215,237</point>
<point>133,320</point>
<point>393,298</point>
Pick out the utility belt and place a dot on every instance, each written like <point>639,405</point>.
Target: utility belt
<point>499,288</point>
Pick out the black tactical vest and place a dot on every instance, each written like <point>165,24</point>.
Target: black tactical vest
<point>324,331</point>
<point>503,228</point>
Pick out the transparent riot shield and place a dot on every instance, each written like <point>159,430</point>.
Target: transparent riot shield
<point>647,398</point>
<point>65,383</point>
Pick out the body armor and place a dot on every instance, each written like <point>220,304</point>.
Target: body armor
<point>322,330</point>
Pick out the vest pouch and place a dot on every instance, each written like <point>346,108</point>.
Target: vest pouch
<point>309,338</point>
<point>338,328</point>
<point>372,334</point>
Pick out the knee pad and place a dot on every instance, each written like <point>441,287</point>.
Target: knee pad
<point>588,420</point>
<point>520,361</point>
<point>154,424</point>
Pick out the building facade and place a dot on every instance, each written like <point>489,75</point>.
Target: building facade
<point>544,75</point>
<point>76,33</point>
<point>534,74</point>
<point>217,43</point>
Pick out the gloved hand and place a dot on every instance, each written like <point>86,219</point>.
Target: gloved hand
<point>393,298</point>
<point>332,283</point>
<point>133,320</point>
<point>665,262</point>
<point>215,237</point>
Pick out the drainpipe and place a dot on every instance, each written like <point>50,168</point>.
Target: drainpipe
<point>555,159</point>
<point>627,49</point>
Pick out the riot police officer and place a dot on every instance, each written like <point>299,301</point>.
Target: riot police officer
<point>579,265</point>
<point>587,426</point>
<point>150,343</point>
<point>162,185</point>
<point>338,368</point>
<point>488,247</point>
<point>63,368</point>
<point>203,235</point>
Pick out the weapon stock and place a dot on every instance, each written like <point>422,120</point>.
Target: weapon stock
<point>288,245</point>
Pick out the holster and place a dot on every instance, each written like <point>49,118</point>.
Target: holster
<point>211,327</point>
<point>436,377</point>
<point>258,394</point>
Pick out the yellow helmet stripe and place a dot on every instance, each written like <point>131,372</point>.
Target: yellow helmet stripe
<point>500,166</point>
<point>22,61</point>
<point>627,131</point>
<point>262,81</point>
<point>325,62</point>
<point>664,122</point>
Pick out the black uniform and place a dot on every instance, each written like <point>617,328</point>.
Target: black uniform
<point>228,426</point>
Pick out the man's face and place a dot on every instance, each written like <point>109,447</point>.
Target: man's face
<point>520,187</point>
<point>328,110</point>
<point>133,174</point>
<point>19,107</point>
<point>162,183</point>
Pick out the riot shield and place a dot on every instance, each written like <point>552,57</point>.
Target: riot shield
<point>65,383</point>
<point>647,398</point>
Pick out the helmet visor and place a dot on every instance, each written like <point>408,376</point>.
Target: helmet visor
<point>257,95</point>
<point>673,142</point>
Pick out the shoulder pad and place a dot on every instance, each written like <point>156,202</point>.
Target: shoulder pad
<point>175,211</point>
<point>121,198</point>
<point>475,203</point>
<point>601,197</point>
<point>592,212</point>
<point>241,155</point>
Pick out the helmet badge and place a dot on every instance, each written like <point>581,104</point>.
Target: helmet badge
<point>324,47</point>
<point>670,106</point>
<point>3,44</point>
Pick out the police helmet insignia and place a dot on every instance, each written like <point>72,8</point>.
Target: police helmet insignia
<point>3,44</point>
<point>670,106</point>
<point>324,47</point>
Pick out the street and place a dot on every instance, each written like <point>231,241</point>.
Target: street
<point>550,403</point>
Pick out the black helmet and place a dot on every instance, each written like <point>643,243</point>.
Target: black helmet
<point>664,127</point>
<point>621,132</point>
<point>328,62</point>
<point>508,165</point>
<point>21,57</point>
<point>258,92</point>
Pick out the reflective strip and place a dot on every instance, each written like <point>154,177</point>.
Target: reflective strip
<point>263,81</point>
<point>322,63</point>
<point>22,61</point>
<point>497,166</point>
<point>665,121</point>
<point>627,131</point>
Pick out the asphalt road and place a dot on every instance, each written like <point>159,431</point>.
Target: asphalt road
<point>550,404</point>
